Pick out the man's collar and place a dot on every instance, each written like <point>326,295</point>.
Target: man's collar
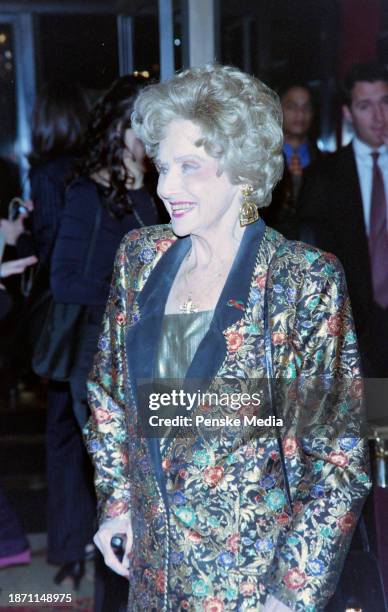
<point>287,148</point>
<point>363,149</point>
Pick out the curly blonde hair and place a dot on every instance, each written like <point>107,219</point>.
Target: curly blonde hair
<point>240,120</point>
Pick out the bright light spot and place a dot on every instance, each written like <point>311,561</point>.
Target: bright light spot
<point>143,73</point>
<point>8,54</point>
<point>3,38</point>
<point>177,42</point>
<point>347,132</point>
<point>327,144</point>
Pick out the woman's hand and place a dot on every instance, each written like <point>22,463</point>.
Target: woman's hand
<point>274,605</point>
<point>16,266</point>
<point>102,540</point>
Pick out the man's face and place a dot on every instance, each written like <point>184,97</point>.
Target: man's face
<point>368,111</point>
<point>297,112</point>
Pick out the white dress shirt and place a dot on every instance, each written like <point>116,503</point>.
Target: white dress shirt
<point>364,162</point>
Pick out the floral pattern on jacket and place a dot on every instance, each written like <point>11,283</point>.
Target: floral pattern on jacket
<point>229,537</point>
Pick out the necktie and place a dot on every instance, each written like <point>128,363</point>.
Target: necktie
<point>378,236</point>
<point>295,164</point>
<point>296,171</point>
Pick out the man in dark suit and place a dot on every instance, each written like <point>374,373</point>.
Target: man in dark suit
<point>337,207</point>
<point>299,153</point>
<point>344,210</point>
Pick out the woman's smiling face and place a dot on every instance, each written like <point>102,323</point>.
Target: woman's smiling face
<point>195,195</point>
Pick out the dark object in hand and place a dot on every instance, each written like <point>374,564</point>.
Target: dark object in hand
<point>118,543</point>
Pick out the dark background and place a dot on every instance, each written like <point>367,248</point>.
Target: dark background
<point>309,40</point>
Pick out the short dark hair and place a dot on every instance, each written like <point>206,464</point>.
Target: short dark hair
<point>59,121</point>
<point>367,72</point>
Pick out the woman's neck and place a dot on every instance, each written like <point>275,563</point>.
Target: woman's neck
<point>214,248</point>
<point>203,272</point>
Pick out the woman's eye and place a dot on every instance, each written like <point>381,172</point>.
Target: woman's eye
<point>161,169</point>
<point>188,166</point>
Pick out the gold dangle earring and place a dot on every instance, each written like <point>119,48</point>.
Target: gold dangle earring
<point>248,211</point>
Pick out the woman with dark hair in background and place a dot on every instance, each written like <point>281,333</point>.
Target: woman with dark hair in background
<point>107,200</point>
<point>59,122</point>
<point>110,179</point>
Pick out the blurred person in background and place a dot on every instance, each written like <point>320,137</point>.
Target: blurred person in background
<point>7,269</point>
<point>59,123</point>
<point>15,246</point>
<point>300,151</point>
<point>344,208</point>
<point>344,205</point>
<point>111,179</point>
<point>14,546</point>
<point>107,197</point>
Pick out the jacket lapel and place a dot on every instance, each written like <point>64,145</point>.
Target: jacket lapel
<point>230,308</point>
<point>143,337</point>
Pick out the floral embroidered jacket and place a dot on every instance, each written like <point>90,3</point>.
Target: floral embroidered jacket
<point>212,527</point>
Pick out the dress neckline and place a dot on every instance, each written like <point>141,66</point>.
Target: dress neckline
<point>185,314</point>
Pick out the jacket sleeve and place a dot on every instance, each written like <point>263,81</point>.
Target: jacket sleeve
<point>69,283</point>
<point>105,432</point>
<point>328,471</point>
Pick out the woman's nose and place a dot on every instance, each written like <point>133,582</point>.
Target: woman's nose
<point>168,183</point>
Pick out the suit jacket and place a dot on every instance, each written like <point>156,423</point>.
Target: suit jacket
<point>332,218</point>
<point>281,214</point>
<point>212,528</point>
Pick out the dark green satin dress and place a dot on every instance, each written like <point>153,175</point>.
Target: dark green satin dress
<point>181,336</point>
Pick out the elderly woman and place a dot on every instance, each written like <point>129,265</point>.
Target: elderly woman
<point>224,518</point>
